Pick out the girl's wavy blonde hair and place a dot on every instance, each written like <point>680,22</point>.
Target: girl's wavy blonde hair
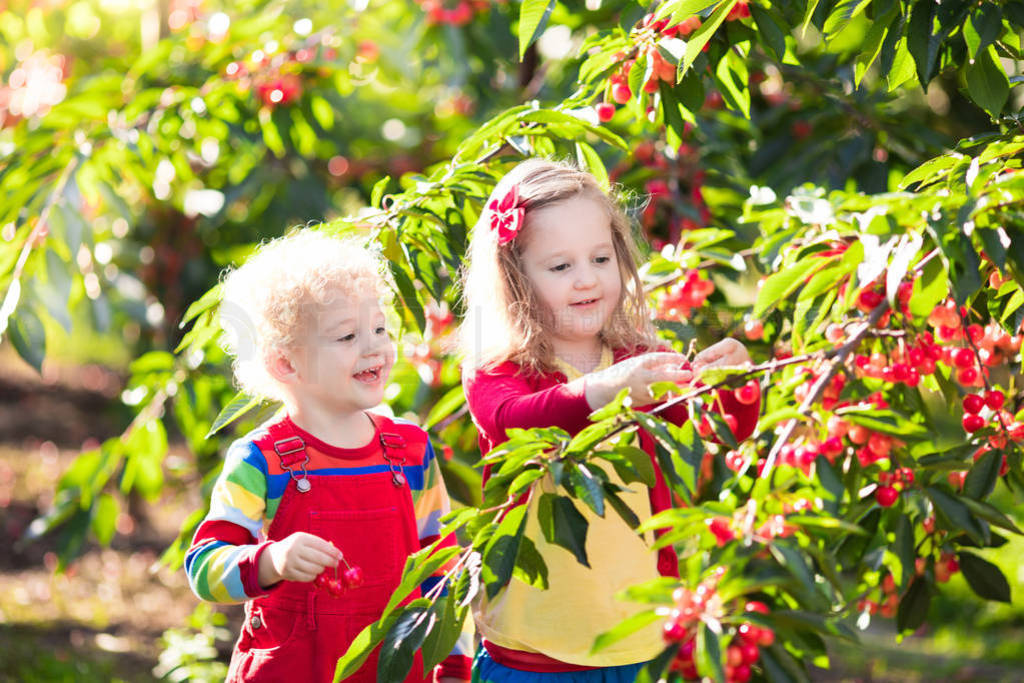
<point>504,319</point>
<point>270,304</point>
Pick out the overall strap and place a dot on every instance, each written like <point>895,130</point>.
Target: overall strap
<point>392,445</point>
<point>291,451</point>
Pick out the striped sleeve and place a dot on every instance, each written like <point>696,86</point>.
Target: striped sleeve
<point>222,563</point>
<point>431,504</point>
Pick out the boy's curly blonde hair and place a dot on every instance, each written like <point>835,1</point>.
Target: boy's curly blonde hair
<point>270,303</point>
<point>504,319</point>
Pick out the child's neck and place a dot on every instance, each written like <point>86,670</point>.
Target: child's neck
<point>583,354</point>
<point>344,430</point>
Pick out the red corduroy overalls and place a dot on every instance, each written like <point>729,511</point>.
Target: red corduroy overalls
<point>296,633</point>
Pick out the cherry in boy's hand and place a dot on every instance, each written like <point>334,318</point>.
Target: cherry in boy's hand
<point>298,557</point>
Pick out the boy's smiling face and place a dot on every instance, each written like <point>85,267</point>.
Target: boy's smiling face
<point>346,358</point>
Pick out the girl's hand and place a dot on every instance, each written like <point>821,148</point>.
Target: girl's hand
<point>637,374</point>
<point>299,557</point>
<point>724,353</point>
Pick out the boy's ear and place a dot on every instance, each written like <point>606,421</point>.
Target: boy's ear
<point>281,367</point>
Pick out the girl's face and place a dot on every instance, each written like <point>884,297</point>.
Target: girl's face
<point>569,258</point>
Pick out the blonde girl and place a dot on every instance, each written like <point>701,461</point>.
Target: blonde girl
<point>556,325</point>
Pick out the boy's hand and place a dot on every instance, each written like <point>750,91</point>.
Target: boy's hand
<point>299,557</point>
<point>637,373</point>
<point>724,353</point>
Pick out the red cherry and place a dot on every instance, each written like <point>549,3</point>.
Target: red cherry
<point>766,637</point>
<point>731,422</point>
<point>886,496</point>
<point>734,655</point>
<point>749,633</point>
<point>754,329</point>
<point>605,111</point>
<point>673,631</point>
<point>973,423</point>
<point>748,393</point>
<point>750,652</point>
<point>336,587</point>
<point>352,577</point>
<point>832,446</point>
<point>994,399</point>
<point>322,581</point>
<point>963,358</point>
<point>621,93</point>
<point>756,606</point>
<point>967,376</point>
<point>973,403</point>
<point>741,674</point>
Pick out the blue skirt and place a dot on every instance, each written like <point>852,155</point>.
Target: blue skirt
<point>486,670</point>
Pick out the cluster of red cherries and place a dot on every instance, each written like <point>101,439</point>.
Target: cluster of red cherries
<point>336,585</point>
<point>690,607</point>
<point>452,14</point>
<point>688,293</point>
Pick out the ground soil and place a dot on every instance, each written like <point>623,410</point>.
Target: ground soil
<point>104,615</point>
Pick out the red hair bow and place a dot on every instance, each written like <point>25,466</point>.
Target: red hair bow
<point>506,216</point>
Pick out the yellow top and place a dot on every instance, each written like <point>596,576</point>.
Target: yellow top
<point>563,621</point>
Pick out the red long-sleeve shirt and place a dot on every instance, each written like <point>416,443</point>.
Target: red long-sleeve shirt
<point>505,397</point>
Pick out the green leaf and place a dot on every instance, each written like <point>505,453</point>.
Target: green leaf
<point>984,578</point>
<point>956,513</point>
<point>632,464</point>
<point>732,74</point>
<point>418,566</point>
<point>533,19</point>
<point>104,518</point>
<point>500,553</point>
<point>448,404</point>
<point>769,32</point>
<point>625,628</point>
<point>563,525</point>
<point>990,514</point>
<point>445,632</point>
<point>983,28</point>
<point>236,408</point>
<point>903,545</point>
<point>656,667</point>
<point>923,39</point>
<point>929,289</point>
<point>780,285</point>
<point>913,609</point>
<point>367,639</point>
<point>983,475</point>
<point>620,506</point>
<point>402,641</point>
<point>842,13</point>
<point>682,9</point>
<point>530,566</point>
<point>709,653</point>
<point>28,336</point>
<point>790,558</point>
<point>587,487</point>
<point>987,83</point>
<point>589,159</point>
<point>700,37</point>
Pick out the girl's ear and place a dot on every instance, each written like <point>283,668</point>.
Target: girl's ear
<point>281,366</point>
